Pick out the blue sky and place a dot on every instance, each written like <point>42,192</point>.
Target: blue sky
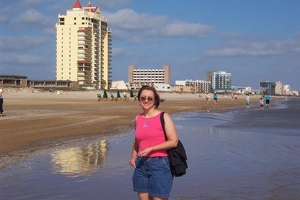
<point>257,40</point>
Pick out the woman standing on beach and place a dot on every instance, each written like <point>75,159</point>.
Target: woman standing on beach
<point>1,103</point>
<point>247,100</point>
<point>152,178</point>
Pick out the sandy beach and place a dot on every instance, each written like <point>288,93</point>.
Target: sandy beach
<point>34,121</point>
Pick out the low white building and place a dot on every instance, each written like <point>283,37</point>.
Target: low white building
<point>118,85</point>
<point>163,87</point>
<point>241,89</point>
<point>193,85</point>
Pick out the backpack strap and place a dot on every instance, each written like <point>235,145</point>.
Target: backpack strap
<point>162,121</point>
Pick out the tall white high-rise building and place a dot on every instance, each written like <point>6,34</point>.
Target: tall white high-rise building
<point>83,47</point>
<point>220,80</point>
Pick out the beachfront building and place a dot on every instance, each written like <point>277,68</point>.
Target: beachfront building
<point>13,80</point>
<point>279,88</point>
<point>83,47</point>
<point>194,86</point>
<point>22,81</point>
<point>287,90</point>
<point>267,88</point>
<point>220,81</point>
<point>139,77</point>
<point>242,90</point>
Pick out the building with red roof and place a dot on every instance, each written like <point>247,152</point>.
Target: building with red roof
<point>83,47</point>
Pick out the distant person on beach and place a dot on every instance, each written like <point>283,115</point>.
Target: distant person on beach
<point>235,97</point>
<point>215,98</point>
<point>267,98</point>
<point>261,103</point>
<point>207,97</point>
<point>152,178</point>
<point>247,100</point>
<point>1,102</point>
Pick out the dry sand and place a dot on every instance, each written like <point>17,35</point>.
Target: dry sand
<point>35,120</point>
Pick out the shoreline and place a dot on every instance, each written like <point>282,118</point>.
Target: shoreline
<point>37,121</point>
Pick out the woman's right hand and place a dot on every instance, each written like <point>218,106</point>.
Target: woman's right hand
<point>132,163</point>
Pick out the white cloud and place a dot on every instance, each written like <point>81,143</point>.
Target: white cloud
<point>22,59</point>
<point>256,48</point>
<point>120,52</point>
<point>130,20</point>
<point>33,17</point>
<point>133,24</point>
<point>21,43</point>
<point>181,29</point>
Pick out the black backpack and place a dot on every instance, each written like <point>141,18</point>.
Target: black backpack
<point>177,156</point>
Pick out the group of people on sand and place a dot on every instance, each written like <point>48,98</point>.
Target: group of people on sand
<point>263,100</point>
<point>215,96</point>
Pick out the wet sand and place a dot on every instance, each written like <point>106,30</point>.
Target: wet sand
<point>35,121</point>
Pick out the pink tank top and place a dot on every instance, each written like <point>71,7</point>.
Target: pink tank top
<point>149,133</point>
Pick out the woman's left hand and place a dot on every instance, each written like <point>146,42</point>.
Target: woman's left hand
<point>145,152</point>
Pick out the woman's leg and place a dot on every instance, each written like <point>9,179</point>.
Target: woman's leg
<point>144,196</point>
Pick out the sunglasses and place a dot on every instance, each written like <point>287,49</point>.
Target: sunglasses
<point>148,98</point>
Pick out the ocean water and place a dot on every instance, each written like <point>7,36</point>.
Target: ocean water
<point>242,154</point>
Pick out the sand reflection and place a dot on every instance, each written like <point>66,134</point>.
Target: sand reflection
<point>79,160</point>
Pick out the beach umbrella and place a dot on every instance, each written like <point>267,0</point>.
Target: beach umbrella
<point>105,95</point>
<point>118,94</point>
<point>131,94</point>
